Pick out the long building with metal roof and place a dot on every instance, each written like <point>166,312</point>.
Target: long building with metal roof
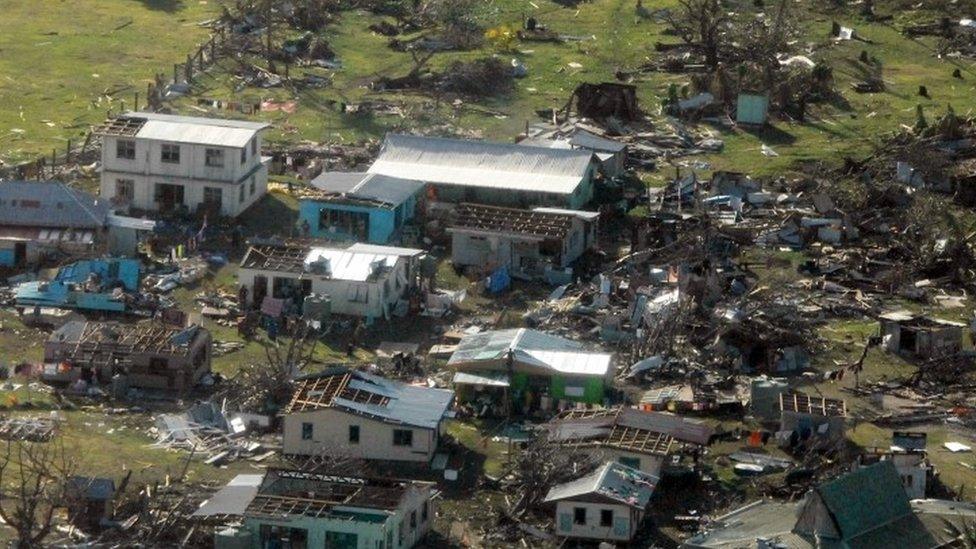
<point>490,173</point>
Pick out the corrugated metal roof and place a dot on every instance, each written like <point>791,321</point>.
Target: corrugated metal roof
<point>680,428</point>
<point>350,265</point>
<point>406,404</point>
<point>581,214</point>
<point>568,362</point>
<point>200,120</point>
<point>865,499</point>
<point>218,132</point>
<point>495,379</point>
<point>196,134</point>
<point>231,500</point>
<point>482,164</point>
<point>368,186</point>
<point>531,347</point>
<point>363,247</point>
<point>593,142</point>
<point>50,204</point>
<point>495,344</point>
<point>623,484</point>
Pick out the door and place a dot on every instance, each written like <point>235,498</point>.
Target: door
<point>20,253</point>
<point>260,289</point>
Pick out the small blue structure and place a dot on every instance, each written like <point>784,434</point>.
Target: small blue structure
<point>361,207</point>
<point>86,285</point>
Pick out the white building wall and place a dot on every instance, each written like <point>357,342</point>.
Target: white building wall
<point>378,302</point>
<point>192,173</point>
<point>625,521</point>
<point>330,433</point>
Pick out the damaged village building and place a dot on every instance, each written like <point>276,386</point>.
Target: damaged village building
<point>147,355</point>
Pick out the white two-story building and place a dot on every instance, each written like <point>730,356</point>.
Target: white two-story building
<point>162,163</point>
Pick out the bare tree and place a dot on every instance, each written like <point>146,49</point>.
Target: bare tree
<point>542,465</point>
<point>704,23</point>
<point>33,485</point>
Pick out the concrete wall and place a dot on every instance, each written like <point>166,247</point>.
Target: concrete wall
<point>330,432</point>
<point>492,250</point>
<point>382,294</point>
<point>192,164</point>
<point>625,521</point>
<point>147,169</point>
<point>370,535</point>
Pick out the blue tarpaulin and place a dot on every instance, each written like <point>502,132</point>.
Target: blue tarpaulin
<point>499,281</point>
<point>67,290</point>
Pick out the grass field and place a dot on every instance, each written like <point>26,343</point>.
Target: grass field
<point>63,64</point>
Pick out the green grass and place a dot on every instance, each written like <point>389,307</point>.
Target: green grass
<point>63,64</point>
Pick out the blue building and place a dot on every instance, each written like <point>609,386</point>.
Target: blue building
<point>362,207</point>
<point>87,285</point>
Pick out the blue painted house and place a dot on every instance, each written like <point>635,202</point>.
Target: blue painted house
<point>361,207</point>
<point>87,285</point>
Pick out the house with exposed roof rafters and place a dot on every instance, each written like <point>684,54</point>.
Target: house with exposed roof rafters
<point>364,416</point>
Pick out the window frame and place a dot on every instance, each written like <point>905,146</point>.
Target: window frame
<point>308,430</point>
<point>604,521</point>
<point>579,516</point>
<point>354,429</point>
<point>166,155</point>
<point>126,145</point>
<point>211,156</point>
<point>243,155</point>
<point>398,438</point>
<point>128,185</point>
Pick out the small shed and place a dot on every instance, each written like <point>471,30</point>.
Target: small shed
<point>607,504</point>
<point>924,337</point>
<point>89,501</point>
<point>752,108</point>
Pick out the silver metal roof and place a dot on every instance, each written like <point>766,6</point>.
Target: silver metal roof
<point>623,484</point>
<point>218,132</point>
<point>482,164</point>
<point>359,261</point>
<point>233,499</point>
<point>531,347</point>
<point>369,186</point>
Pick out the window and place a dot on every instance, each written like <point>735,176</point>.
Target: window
<point>346,223</point>
<point>413,520</point>
<point>358,293</point>
<point>212,197</point>
<point>253,185</point>
<point>400,535</point>
<point>125,148</point>
<point>307,430</point>
<point>425,511</point>
<point>125,189</point>
<point>240,195</point>
<point>171,154</point>
<point>254,146</point>
<point>354,434</point>
<point>214,158</point>
<point>606,517</point>
<point>402,437</point>
<point>244,155</point>
<point>579,515</point>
